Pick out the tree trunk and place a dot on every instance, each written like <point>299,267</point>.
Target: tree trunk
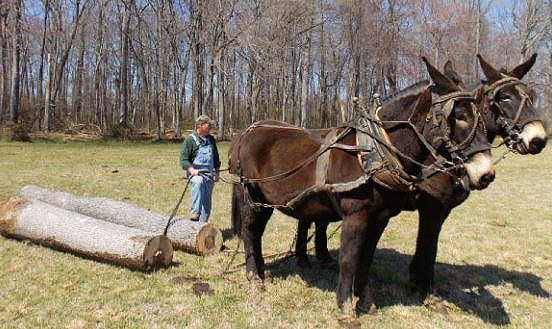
<point>47,99</point>
<point>85,236</point>
<point>199,46</point>
<point>194,237</point>
<point>123,110</point>
<point>4,95</point>
<point>98,85</point>
<point>16,66</point>
<point>305,80</point>
<point>477,40</point>
<point>220,84</point>
<point>77,102</point>
<point>43,51</point>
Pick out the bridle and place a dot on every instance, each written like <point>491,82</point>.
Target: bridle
<point>512,127</point>
<point>442,109</point>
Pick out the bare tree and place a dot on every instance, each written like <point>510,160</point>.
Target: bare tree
<point>4,52</point>
<point>43,49</point>
<point>125,36</point>
<point>16,65</point>
<point>532,24</point>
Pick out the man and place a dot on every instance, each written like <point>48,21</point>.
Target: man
<point>200,159</point>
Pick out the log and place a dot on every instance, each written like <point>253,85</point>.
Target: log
<point>193,237</point>
<point>84,236</point>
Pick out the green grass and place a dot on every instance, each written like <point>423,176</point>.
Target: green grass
<point>494,262</point>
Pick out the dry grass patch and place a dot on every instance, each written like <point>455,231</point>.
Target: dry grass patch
<point>494,262</point>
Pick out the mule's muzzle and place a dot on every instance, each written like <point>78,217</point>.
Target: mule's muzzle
<point>532,138</point>
<point>485,180</point>
<point>481,170</point>
<point>537,144</point>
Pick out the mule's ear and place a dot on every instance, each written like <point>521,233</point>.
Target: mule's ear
<point>490,72</point>
<point>443,84</point>
<point>523,68</point>
<point>452,75</point>
<point>478,95</point>
<point>422,106</point>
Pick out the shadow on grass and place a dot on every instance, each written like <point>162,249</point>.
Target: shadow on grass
<point>461,285</point>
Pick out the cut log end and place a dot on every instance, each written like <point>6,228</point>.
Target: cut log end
<point>209,240</point>
<point>8,214</point>
<point>158,252</point>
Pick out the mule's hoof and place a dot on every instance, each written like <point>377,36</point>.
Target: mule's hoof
<point>349,322</point>
<point>436,304</point>
<point>260,286</point>
<point>252,276</point>
<point>366,309</point>
<point>257,284</point>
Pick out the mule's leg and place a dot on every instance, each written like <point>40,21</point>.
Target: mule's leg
<point>238,205</point>
<point>431,218</point>
<point>353,233</point>
<point>375,229</point>
<point>252,234</point>
<point>321,245</point>
<point>301,242</point>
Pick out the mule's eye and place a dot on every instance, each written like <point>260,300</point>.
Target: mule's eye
<point>504,98</point>
<point>461,116</point>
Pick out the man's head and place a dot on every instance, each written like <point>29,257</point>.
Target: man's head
<point>203,125</point>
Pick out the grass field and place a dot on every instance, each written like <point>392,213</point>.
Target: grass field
<point>494,261</point>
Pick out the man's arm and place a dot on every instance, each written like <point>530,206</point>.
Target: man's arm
<point>186,154</point>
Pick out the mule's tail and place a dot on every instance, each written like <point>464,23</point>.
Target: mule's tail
<point>237,205</point>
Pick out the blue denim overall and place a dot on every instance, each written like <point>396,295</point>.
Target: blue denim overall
<point>202,187</point>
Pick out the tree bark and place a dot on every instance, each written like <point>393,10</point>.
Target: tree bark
<point>47,98</point>
<point>221,80</point>
<point>4,95</point>
<point>43,51</point>
<point>199,56</point>
<point>85,236</point>
<point>98,76</point>
<point>123,111</point>
<point>16,66</point>
<point>78,86</point>
<point>194,237</point>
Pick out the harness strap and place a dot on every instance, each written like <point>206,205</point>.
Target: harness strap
<point>323,162</point>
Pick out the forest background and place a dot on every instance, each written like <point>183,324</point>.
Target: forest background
<point>118,67</point>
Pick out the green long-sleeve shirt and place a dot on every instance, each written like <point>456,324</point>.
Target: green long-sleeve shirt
<point>190,148</point>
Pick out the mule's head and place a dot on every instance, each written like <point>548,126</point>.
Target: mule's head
<point>459,128</point>
<point>510,105</point>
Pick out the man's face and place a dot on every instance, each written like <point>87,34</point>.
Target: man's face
<point>204,129</point>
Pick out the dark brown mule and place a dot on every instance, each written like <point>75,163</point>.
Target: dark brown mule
<point>271,148</point>
<point>506,105</point>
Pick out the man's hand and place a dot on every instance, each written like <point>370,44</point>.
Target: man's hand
<point>193,172</point>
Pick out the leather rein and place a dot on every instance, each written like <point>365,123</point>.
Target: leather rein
<point>442,108</point>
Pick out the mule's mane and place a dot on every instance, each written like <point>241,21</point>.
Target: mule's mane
<point>408,91</point>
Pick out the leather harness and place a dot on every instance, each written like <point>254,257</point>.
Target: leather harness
<point>377,156</point>
<point>512,127</point>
